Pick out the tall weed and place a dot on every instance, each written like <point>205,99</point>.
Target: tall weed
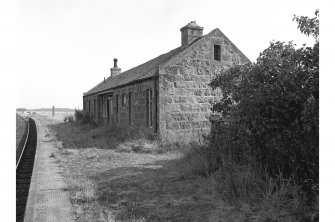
<point>84,117</point>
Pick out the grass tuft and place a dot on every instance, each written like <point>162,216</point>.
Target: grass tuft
<point>253,194</point>
<point>194,161</point>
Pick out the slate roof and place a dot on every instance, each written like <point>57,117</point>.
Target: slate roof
<point>147,69</point>
<point>142,71</point>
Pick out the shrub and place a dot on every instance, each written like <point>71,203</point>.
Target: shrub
<point>70,118</point>
<point>275,103</point>
<point>268,156</point>
<point>84,117</point>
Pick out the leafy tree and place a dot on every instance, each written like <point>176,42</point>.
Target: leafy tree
<point>276,104</point>
<point>308,26</point>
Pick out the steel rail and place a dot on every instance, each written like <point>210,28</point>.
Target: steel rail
<point>25,142</point>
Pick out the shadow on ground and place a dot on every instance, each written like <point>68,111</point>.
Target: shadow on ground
<point>154,192</point>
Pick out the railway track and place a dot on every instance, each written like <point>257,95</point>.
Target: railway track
<point>22,133</point>
<point>24,168</point>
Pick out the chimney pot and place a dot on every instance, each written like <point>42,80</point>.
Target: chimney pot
<point>115,70</point>
<point>115,63</point>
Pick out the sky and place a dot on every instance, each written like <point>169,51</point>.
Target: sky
<point>66,47</point>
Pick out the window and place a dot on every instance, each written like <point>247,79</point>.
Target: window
<point>124,99</point>
<point>129,105</point>
<point>85,108</point>
<point>94,106</point>
<point>89,106</point>
<point>217,52</point>
<point>117,108</point>
<point>104,106</point>
<point>149,107</point>
<point>110,106</point>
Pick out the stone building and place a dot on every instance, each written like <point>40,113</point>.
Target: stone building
<point>168,94</point>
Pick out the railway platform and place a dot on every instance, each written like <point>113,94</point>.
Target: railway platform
<point>48,199</point>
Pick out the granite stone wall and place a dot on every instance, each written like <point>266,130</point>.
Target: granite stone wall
<point>184,95</point>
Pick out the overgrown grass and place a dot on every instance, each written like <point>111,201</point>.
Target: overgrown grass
<point>254,195</point>
<point>69,118</point>
<point>194,162</point>
<point>123,139</point>
<point>261,196</point>
<point>105,185</point>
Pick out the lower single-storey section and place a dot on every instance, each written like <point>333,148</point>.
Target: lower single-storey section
<point>134,104</point>
<point>139,104</point>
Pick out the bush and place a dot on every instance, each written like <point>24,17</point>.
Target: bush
<point>275,102</point>
<point>269,155</point>
<point>69,119</point>
<point>84,117</point>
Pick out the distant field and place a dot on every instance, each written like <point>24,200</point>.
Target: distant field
<point>57,118</point>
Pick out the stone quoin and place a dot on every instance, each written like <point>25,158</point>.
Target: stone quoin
<point>168,94</point>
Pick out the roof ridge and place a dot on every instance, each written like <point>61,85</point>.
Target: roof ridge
<point>148,61</point>
<point>149,68</point>
<point>144,70</point>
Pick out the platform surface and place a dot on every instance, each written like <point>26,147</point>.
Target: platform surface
<point>48,198</point>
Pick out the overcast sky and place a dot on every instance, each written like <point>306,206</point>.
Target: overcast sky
<point>66,47</point>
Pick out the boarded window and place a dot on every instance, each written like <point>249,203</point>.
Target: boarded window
<point>117,108</point>
<point>149,108</point>
<point>124,99</point>
<point>129,111</point>
<point>110,106</point>
<point>94,107</point>
<point>217,52</point>
<point>104,106</point>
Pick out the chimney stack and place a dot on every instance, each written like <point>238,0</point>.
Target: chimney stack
<point>190,33</point>
<point>115,70</point>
